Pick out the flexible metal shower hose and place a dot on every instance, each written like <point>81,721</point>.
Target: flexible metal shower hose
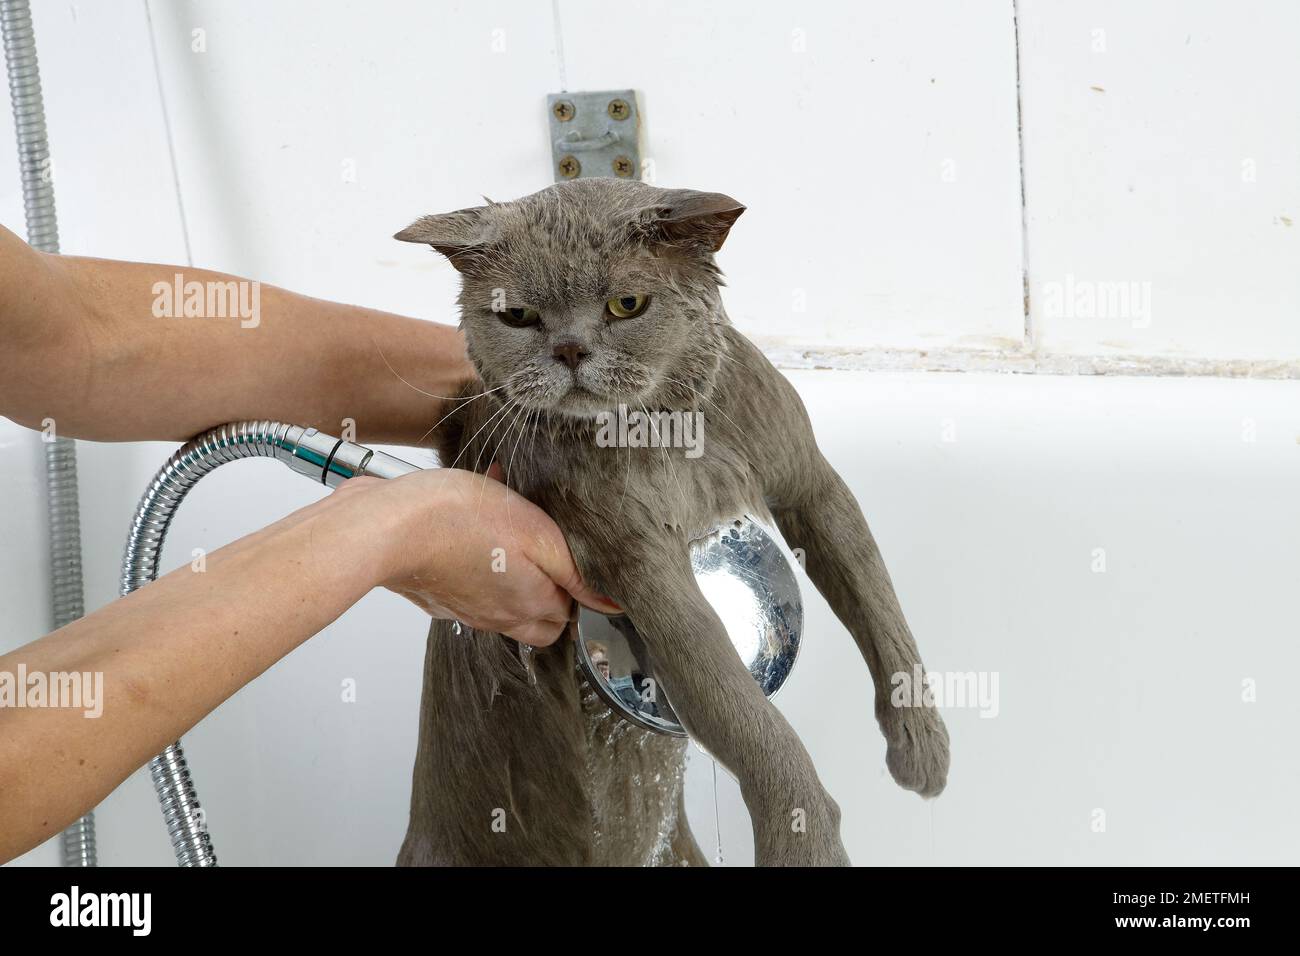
<point>67,595</point>
<point>325,460</point>
<point>177,796</point>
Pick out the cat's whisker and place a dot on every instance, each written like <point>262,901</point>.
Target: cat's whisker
<point>470,443</point>
<point>510,467</point>
<point>505,436</point>
<point>445,398</point>
<point>478,459</point>
<point>703,398</point>
<point>463,403</point>
<point>521,401</point>
<point>524,412</point>
<point>686,385</point>
<point>505,473</point>
<point>725,355</point>
<point>467,445</point>
<point>532,442</point>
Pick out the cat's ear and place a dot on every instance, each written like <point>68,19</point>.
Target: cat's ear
<point>461,236</point>
<point>687,217</point>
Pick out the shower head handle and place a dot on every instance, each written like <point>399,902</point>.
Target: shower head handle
<point>332,461</point>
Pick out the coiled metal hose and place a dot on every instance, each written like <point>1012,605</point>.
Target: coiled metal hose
<point>60,453</point>
<point>182,813</point>
<point>322,458</point>
<point>29,122</point>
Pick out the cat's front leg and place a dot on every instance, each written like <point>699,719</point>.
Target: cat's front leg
<point>823,519</point>
<point>795,820</point>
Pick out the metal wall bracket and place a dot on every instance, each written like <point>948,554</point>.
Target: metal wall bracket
<point>595,134</point>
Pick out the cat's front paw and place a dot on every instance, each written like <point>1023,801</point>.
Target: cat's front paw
<point>917,754</point>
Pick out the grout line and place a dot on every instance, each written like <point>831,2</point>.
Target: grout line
<point>1030,341</point>
<point>167,128</point>
<point>1022,362</point>
<point>559,45</point>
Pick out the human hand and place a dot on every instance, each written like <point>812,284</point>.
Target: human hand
<point>461,545</point>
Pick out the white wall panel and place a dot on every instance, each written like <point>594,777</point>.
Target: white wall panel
<point>1162,141</point>
<point>874,144</point>
<point>878,155</point>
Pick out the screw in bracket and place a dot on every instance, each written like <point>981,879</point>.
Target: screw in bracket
<point>563,111</point>
<point>570,167</point>
<point>623,167</point>
<point>618,109</point>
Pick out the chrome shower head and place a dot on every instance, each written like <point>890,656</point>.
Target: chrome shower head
<point>746,577</point>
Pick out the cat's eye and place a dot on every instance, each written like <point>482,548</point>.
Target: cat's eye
<point>520,317</point>
<point>627,306</point>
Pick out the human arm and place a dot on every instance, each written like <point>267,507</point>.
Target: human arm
<point>172,651</point>
<point>80,345</point>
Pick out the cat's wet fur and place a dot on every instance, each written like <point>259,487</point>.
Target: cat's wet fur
<point>518,762</point>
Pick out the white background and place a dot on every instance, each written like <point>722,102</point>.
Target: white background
<point>882,150</point>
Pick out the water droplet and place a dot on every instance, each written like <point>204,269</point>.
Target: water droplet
<point>455,627</point>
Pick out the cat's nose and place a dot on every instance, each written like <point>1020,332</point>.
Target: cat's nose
<point>570,353</point>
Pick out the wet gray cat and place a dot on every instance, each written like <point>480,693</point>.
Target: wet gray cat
<point>574,300</point>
